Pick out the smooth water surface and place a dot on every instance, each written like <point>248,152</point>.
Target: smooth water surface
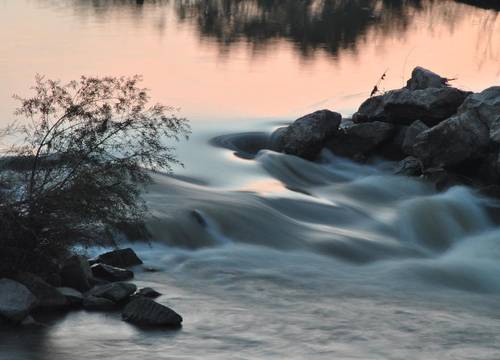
<point>268,256</point>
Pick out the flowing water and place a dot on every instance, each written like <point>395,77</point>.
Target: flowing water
<point>267,255</point>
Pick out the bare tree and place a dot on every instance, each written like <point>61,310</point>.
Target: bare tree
<point>87,152</point>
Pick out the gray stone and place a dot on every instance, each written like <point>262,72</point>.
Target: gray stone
<point>461,138</point>
<point>116,292</point>
<point>409,166</point>
<point>276,140</point>
<point>360,139</point>
<point>47,295</point>
<point>404,106</point>
<point>411,133</point>
<point>111,273</point>
<point>16,301</point>
<point>485,107</point>
<point>147,292</point>
<point>97,303</point>
<point>307,136</point>
<point>122,258</point>
<point>146,312</point>
<point>423,79</point>
<point>431,106</point>
<point>372,109</point>
<point>73,297</point>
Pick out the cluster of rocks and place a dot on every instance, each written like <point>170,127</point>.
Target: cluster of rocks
<point>98,284</point>
<point>434,130</point>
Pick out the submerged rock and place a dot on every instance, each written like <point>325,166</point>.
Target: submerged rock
<point>423,79</point>
<point>146,312</point>
<point>97,303</point>
<point>360,139</point>
<point>307,136</point>
<point>116,292</point>
<point>76,273</point>
<point>16,301</point>
<point>47,295</point>
<point>111,273</point>
<point>121,258</point>
<point>409,166</point>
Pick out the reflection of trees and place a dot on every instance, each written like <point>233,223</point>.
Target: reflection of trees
<point>331,25</point>
<point>486,4</point>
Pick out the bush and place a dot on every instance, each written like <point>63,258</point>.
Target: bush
<point>87,151</point>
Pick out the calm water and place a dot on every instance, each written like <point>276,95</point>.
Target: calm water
<point>365,266</point>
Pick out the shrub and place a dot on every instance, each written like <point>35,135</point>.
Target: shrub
<point>86,152</point>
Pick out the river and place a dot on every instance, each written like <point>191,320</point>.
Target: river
<point>265,255</point>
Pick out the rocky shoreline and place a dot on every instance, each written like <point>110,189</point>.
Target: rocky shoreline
<point>99,284</point>
<point>435,131</point>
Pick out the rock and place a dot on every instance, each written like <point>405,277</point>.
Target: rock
<point>431,106</point>
<point>30,321</point>
<point>485,106</point>
<point>410,166</point>
<point>423,79</point>
<point>147,292</point>
<point>116,292</point>
<point>16,301</point>
<point>276,140</point>
<point>76,273</point>
<point>73,297</point>
<point>404,106</point>
<point>122,258</point>
<point>111,273</point>
<point>372,109</point>
<point>307,136</point>
<point>411,133</point>
<point>442,178</point>
<point>360,139</point>
<point>460,139</point>
<point>98,303</point>
<point>47,295</point>
<point>146,312</point>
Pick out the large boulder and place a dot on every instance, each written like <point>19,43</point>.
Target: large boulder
<point>360,139</point>
<point>423,79</point>
<point>485,107</point>
<point>431,105</point>
<point>16,301</point>
<point>146,312</point>
<point>116,292</point>
<point>426,97</point>
<point>76,273</point>
<point>47,295</point>
<point>111,273</point>
<point>467,136</point>
<point>307,136</point>
<point>459,139</point>
<point>121,258</point>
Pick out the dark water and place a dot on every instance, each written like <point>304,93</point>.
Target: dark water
<point>354,263</point>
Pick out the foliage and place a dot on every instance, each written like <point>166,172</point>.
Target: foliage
<point>86,153</point>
